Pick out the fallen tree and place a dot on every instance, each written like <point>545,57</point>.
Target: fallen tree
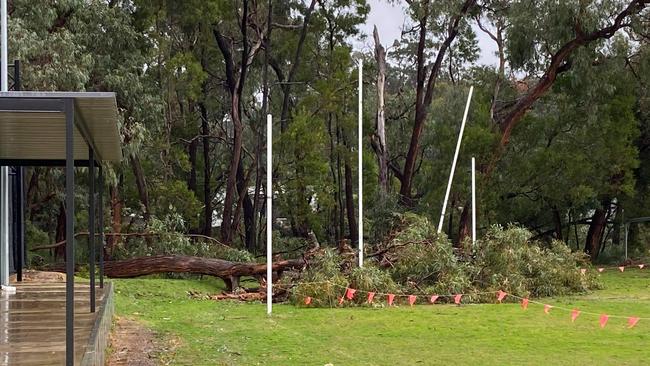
<point>229,272</point>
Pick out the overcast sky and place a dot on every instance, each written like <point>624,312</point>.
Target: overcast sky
<point>390,21</point>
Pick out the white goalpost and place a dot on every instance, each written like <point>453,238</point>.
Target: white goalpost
<point>269,214</point>
<point>453,164</point>
<point>473,200</point>
<point>360,229</point>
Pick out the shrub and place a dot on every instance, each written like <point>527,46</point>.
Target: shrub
<point>322,280</point>
<point>426,260</point>
<point>507,259</point>
<point>425,263</point>
<point>371,278</point>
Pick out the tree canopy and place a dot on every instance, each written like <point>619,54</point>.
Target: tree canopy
<point>559,125</point>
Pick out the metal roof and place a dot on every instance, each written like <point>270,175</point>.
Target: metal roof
<point>32,127</point>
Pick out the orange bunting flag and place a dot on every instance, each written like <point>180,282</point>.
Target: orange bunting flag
<point>391,297</point>
<point>524,303</point>
<point>575,313</point>
<point>631,321</point>
<point>457,299</point>
<point>307,300</point>
<point>603,320</point>
<point>641,266</point>
<point>349,293</point>
<point>501,295</point>
<point>583,271</point>
<point>547,308</point>
<point>433,298</point>
<point>621,268</point>
<point>371,295</point>
<point>412,299</point>
<point>340,300</point>
<point>601,269</point>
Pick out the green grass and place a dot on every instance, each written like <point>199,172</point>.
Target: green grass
<point>233,333</point>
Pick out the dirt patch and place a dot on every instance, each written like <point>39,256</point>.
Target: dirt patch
<point>133,344</point>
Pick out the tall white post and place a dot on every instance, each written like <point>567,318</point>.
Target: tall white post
<point>360,163</point>
<point>4,171</point>
<point>473,200</point>
<point>453,164</point>
<point>269,214</point>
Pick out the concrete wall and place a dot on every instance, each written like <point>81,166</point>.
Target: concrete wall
<point>95,354</point>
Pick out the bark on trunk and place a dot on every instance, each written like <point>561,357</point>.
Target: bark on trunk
<point>463,225</point>
<point>333,171</point>
<point>595,233</point>
<point>207,191</point>
<point>116,220</point>
<point>380,148</point>
<point>32,190</point>
<point>191,179</point>
<point>349,203</point>
<point>230,272</point>
<point>141,184</point>
<point>249,215</point>
<point>235,80</point>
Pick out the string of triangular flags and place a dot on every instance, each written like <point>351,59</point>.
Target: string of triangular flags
<point>350,293</point>
<point>619,268</point>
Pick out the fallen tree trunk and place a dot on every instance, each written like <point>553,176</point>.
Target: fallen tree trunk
<point>228,271</point>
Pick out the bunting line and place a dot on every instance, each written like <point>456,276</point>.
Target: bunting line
<point>621,269</point>
<point>349,294</point>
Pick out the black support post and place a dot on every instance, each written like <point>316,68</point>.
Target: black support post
<point>19,187</point>
<point>91,225</point>
<point>100,204</point>
<point>18,218</point>
<point>69,232</point>
<point>17,84</point>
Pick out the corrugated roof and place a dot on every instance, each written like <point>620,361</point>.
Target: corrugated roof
<point>40,134</point>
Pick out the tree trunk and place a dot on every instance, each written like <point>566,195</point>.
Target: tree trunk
<point>32,190</point>
<point>227,225</point>
<point>333,170</point>
<point>207,191</point>
<point>560,62</point>
<point>141,184</point>
<point>339,187</point>
<point>595,232</point>
<point>557,222</point>
<point>249,214</point>
<point>302,200</point>
<point>235,85</point>
<point>59,251</point>
<point>116,219</point>
<point>191,179</point>
<point>464,224</point>
<point>618,224</point>
<point>380,149</point>
<point>230,272</point>
<point>286,87</point>
<point>349,202</point>
<point>425,88</point>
